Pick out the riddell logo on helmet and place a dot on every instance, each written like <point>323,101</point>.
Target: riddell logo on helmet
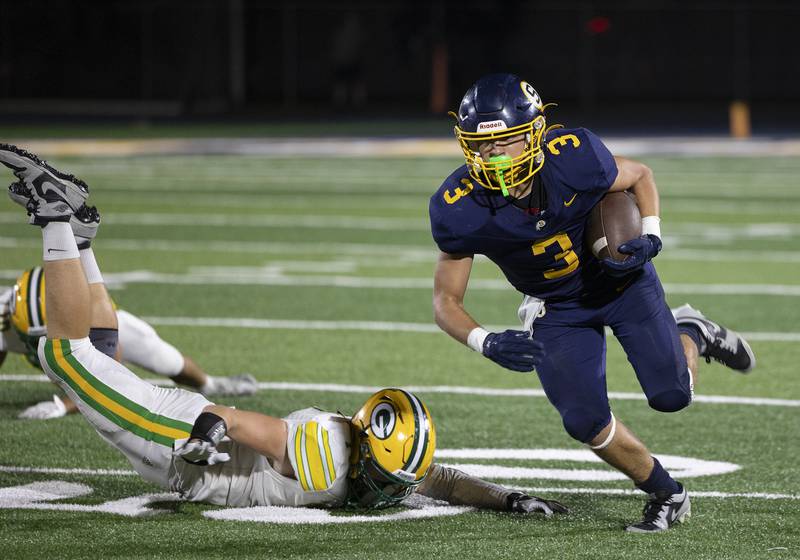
<point>491,125</point>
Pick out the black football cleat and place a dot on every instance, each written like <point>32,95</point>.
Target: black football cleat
<point>54,196</point>
<point>84,223</point>
<point>662,511</point>
<point>722,345</point>
<point>18,192</point>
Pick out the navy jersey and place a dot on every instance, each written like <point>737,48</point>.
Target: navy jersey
<point>542,255</point>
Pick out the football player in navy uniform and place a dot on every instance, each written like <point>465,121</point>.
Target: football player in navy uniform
<point>522,200</point>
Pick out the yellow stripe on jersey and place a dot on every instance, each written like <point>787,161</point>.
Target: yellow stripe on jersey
<point>109,404</point>
<point>313,454</point>
<point>298,457</point>
<point>328,456</point>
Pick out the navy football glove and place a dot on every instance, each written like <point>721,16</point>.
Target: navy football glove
<point>513,350</point>
<point>522,503</point>
<point>641,250</point>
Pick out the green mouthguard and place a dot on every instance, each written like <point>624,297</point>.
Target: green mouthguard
<point>504,162</point>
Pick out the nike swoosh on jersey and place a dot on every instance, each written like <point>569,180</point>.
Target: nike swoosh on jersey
<point>571,200</point>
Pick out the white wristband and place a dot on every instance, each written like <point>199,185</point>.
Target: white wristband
<point>476,338</point>
<point>651,225</point>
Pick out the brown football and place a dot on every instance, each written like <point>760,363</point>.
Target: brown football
<point>613,221</point>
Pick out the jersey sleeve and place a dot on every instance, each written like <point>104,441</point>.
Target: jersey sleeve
<point>442,234</point>
<point>584,163</point>
<point>318,446</point>
<point>446,208</point>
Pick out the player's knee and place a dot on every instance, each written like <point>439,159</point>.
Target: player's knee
<point>105,340</point>
<point>670,401</point>
<point>583,425</point>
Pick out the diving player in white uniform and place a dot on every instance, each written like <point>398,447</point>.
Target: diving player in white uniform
<point>212,453</point>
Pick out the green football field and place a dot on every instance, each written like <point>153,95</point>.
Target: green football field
<point>314,275</point>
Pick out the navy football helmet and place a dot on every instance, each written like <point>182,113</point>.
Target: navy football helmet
<point>501,107</point>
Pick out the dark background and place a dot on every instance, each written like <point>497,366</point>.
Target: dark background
<point>639,65</point>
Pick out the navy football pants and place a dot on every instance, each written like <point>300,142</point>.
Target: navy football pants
<point>573,372</point>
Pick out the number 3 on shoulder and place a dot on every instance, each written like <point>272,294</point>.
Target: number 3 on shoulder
<point>458,192</point>
<point>553,144</point>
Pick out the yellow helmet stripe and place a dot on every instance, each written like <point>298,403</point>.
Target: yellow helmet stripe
<point>313,456</point>
<point>420,434</point>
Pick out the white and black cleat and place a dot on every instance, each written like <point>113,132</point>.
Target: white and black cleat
<point>54,196</point>
<point>18,192</point>
<point>234,385</point>
<point>84,223</point>
<point>662,511</point>
<point>722,345</point>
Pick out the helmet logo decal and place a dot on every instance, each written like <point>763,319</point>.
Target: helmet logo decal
<point>531,94</point>
<point>383,420</point>
<point>492,125</point>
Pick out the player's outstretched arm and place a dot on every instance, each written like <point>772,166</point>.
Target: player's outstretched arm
<point>449,286</point>
<point>458,488</point>
<point>264,434</point>
<point>514,350</point>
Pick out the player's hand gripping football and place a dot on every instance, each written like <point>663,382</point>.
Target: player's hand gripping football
<point>201,448</point>
<point>640,250</point>
<point>514,350</point>
<point>522,503</point>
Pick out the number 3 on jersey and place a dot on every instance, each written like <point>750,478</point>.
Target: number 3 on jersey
<point>567,255</point>
<point>553,144</point>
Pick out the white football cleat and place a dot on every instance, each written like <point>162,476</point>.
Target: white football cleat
<point>234,385</point>
<point>722,345</point>
<point>54,196</point>
<point>661,511</point>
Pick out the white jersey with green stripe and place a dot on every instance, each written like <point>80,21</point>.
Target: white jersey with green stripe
<point>319,450</point>
<point>146,423</point>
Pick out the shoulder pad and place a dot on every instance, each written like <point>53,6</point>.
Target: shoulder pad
<point>318,450</point>
<point>578,159</point>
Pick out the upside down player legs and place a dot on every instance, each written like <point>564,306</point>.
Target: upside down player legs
<point>522,200</point>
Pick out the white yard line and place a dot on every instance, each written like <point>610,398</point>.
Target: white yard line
<point>532,490</point>
<point>638,493</point>
<point>274,276</point>
<point>267,247</point>
<point>254,221</point>
<point>694,230</point>
<point>448,390</point>
<point>385,326</point>
<point>54,470</point>
<point>425,253</point>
